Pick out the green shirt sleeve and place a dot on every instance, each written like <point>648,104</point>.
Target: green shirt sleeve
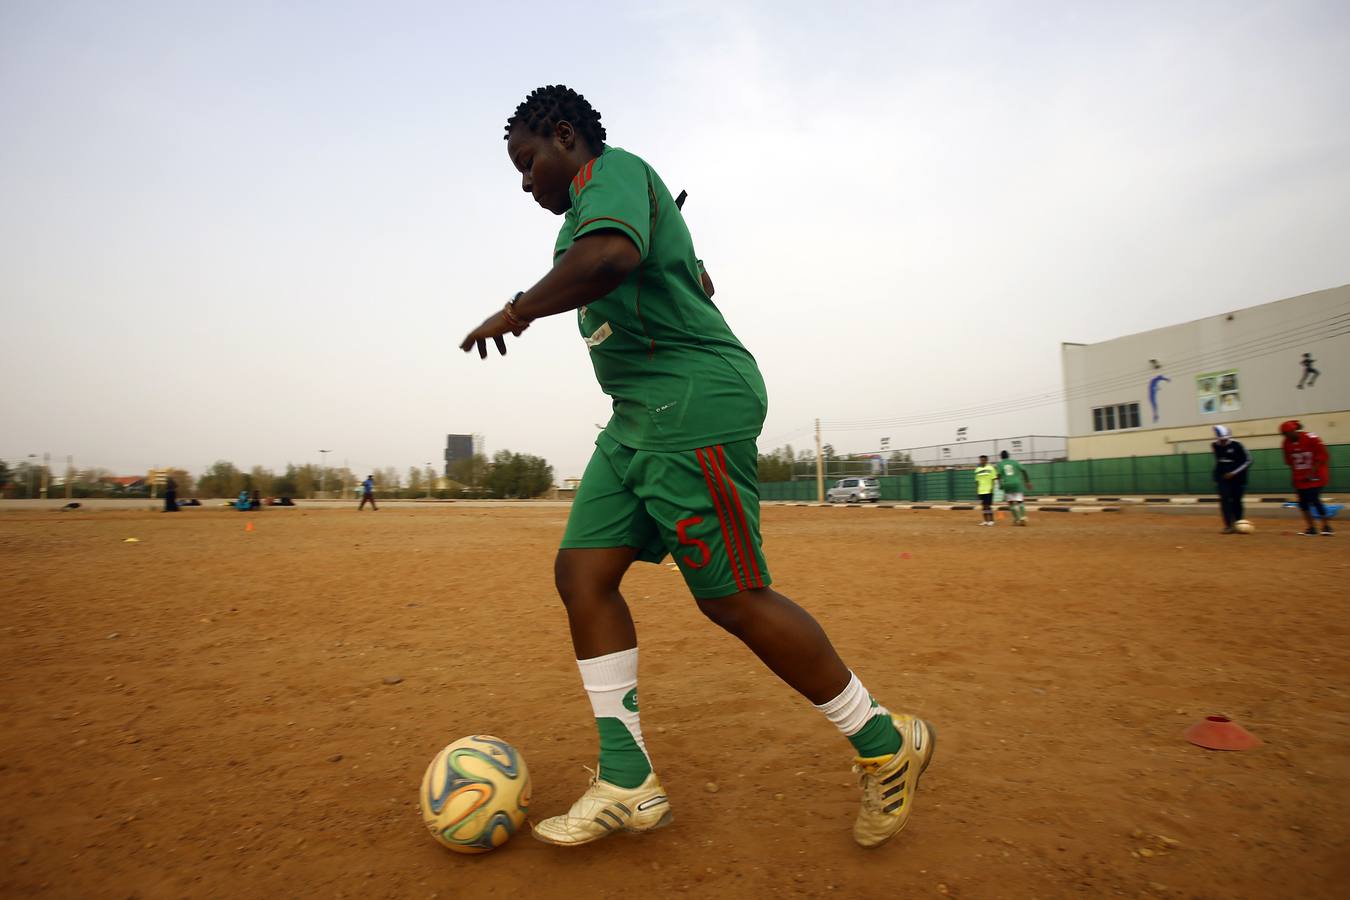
<point>611,192</point>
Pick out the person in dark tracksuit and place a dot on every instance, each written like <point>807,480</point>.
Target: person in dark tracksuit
<point>1231,462</point>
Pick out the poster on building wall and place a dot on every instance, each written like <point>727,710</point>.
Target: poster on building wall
<point>1218,392</point>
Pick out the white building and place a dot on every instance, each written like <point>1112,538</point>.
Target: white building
<point>1160,391</point>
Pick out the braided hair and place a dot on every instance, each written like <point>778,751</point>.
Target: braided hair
<point>545,107</point>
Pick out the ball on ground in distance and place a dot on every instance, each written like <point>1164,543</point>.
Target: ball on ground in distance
<point>475,794</point>
<point>1244,527</point>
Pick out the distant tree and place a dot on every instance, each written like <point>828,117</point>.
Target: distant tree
<point>184,481</point>
<point>536,476</point>
<point>518,475</point>
<point>307,480</point>
<point>501,475</point>
<point>387,481</point>
<point>900,463</point>
<point>262,480</point>
<point>415,481</point>
<point>776,465</point>
<point>25,475</point>
<point>471,472</point>
<point>221,479</point>
<point>4,474</point>
<point>284,485</point>
<point>94,482</point>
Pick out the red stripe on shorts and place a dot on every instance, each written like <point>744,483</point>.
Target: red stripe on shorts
<point>721,517</point>
<point>738,531</point>
<point>755,581</point>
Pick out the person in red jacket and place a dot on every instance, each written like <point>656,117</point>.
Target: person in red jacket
<point>1307,458</point>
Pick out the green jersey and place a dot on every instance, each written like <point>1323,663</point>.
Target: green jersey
<point>1012,475</point>
<point>984,479</point>
<point>678,377</point>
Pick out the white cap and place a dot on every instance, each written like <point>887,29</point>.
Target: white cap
<point>1223,432</point>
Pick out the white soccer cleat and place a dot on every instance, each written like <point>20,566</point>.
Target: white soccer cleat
<point>606,808</point>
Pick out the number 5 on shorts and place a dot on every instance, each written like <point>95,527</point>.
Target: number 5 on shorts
<point>687,541</point>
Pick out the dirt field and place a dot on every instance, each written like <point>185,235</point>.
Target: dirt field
<point>204,713</point>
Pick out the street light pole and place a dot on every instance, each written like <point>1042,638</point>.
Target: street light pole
<point>431,479</point>
<point>323,469</point>
<point>30,475</point>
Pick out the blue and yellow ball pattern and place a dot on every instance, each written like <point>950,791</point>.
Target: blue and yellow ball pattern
<point>475,794</point>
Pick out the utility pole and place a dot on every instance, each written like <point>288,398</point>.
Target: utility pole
<point>323,469</point>
<point>820,468</point>
<point>46,473</point>
<point>70,476</point>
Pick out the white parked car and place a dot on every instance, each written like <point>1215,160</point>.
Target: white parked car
<point>854,490</point>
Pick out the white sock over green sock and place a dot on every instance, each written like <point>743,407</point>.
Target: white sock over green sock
<point>611,683</point>
<point>865,722</point>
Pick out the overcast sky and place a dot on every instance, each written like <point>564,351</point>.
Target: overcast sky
<point>247,231</point>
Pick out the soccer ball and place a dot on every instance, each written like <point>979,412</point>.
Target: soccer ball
<point>1244,527</point>
<point>475,794</point>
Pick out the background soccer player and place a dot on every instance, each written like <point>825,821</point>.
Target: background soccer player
<point>1231,462</point>
<point>1307,458</point>
<point>673,472</point>
<point>368,494</point>
<point>985,476</point>
<point>1015,483</point>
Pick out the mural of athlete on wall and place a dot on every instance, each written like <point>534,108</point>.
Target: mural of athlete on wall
<point>1154,383</point>
<point>1310,373</point>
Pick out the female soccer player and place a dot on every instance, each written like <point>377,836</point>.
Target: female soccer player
<point>674,472</point>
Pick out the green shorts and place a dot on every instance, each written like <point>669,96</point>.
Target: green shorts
<point>701,506</point>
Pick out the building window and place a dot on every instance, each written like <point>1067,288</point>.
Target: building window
<point>1115,417</point>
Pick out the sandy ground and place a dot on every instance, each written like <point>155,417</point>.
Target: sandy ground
<point>204,713</point>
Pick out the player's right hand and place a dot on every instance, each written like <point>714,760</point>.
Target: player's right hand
<point>495,327</point>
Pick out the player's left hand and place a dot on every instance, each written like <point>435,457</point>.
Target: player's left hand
<point>495,327</point>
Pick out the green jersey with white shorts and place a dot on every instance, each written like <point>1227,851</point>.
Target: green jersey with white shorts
<point>675,469</point>
<point>1012,476</point>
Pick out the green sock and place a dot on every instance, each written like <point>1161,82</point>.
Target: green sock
<point>877,738</point>
<point>611,684</point>
<point>622,761</point>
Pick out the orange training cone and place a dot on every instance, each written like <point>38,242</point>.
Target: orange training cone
<point>248,527</point>
<point>1221,733</point>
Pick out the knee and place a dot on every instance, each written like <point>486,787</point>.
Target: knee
<point>567,578</point>
<point>733,613</point>
<point>577,583</point>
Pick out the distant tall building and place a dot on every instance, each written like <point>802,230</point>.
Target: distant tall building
<point>461,446</point>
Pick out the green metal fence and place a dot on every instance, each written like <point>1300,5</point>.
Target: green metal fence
<point>1182,473</point>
